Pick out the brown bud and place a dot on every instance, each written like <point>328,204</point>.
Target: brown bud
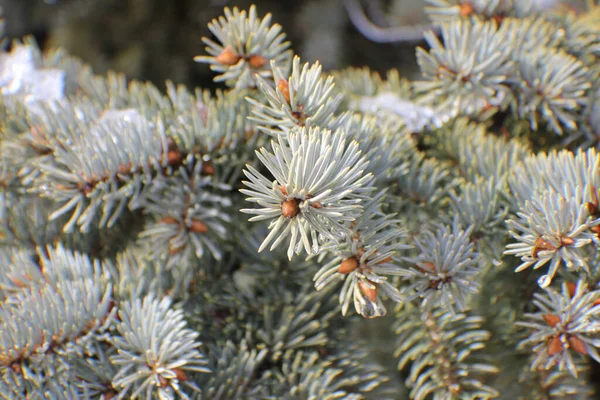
<point>174,157</point>
<point>169,220</point>
<point>571,287</point>
<point>555,346</point>
<point>181,376</point>
<point>577,344</point>
<point>427,266</point>
<point>283,190</point>
<point>466,10</point>
<point>551,320</point>
<point>596,229</point>
<point>228,56</point>
<point>198,226</point>
<point>125,168</point>
<point>111,305</point>
<point>162,381</point>
<point>317,205</point>
<point>290,208</point>
<point>369,291</point>
<point>348,265</point>
<point>257,61</point>
<point>284,88</point>
<point>111,394</point>
<point>208,168</point>
<point>566,241</point>
<point>541,245</point>
<point>592,208</point>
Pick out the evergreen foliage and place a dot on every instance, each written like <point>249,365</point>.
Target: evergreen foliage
<point>466,202</point>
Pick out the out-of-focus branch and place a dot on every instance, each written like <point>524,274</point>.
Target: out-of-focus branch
<point>376,13</point>
<point>380,34</point>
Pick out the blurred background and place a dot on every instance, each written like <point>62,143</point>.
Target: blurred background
<point>156,40</point>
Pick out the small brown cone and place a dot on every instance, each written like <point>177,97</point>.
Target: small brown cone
<point>555,346</point>
<point>592,208</point>
<point>198,226</point>
<point>257,61</point>
<point>284,88</point>
<point>541,244</point>
<point>162,381</point>
<point>125,168</point>
<point>595,199</point>
<point>169,220</point>
<point>228,56</point>
<point>427,267</point>
<point>498,18</point>
<point>466,10</point>
<point>578,345</point>
<point>208,168</point>
<point>180,374</point>
<point>370,293</point>
<point>111,305</point>
<point>551,320</point>
<point>174,157</point>
<point>566,241</point>
<point>290,208</point>
<point>348,265</point>
<point>111,394</point>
